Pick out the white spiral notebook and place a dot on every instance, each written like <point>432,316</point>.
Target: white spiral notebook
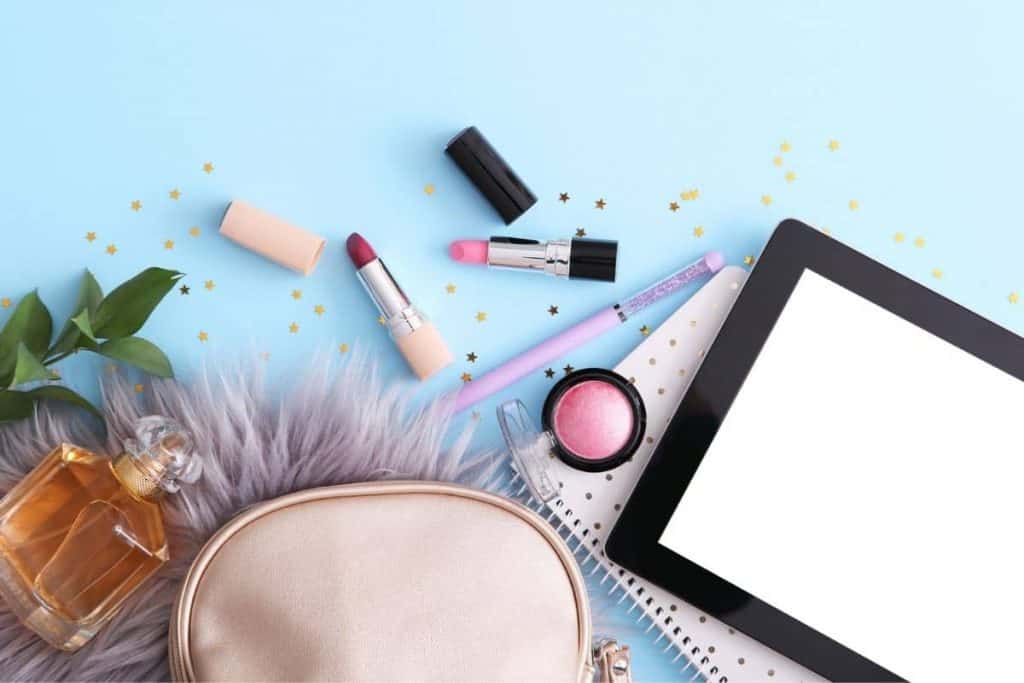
<point>589,504</point>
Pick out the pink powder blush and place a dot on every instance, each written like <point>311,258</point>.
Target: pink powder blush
<point>593,420</point>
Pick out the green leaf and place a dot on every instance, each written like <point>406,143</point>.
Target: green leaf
<point>90,294</point>
<point>15,405</point>
<point>125,310</point>
<point>140,353</point>
<point>59,393</point>
<point>84,324</point>
<point>28,368</point>
<point>30,324</point>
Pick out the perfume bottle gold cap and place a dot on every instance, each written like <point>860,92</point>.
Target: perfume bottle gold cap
<point>160,456</point>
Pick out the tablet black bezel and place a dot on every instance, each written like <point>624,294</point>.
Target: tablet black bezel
<point>634,544</point>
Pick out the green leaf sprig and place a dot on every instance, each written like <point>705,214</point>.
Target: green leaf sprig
<point>101,324</point>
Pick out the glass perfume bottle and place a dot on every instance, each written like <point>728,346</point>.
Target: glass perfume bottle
<point>82,531</point>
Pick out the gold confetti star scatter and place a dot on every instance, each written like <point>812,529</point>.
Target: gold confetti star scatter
<point>210,285</point>
<point>319,309</point>
<point>563,197</point>
<point>208,167</point>
<point>381,320</point>
<point>777,161</point>
<point>136,205</point>
<point>790,176</point>
<point>766,199</point>
<point>549,373</point>
<point>1013,298</point>
<point>174,194</point>
<point>90,237</point>
<point>698,231</point>
<point>481,316</point>
<point>853,204</point>
<point>748,260</point>
<point>553,310</point>
<point>203,336</point>
<point>342,348</point>
<point>294,328</point>
<point>195,231</point>
<point>919,242</point>
<point>184,289</point>
<point>471,357</point>
<point>296,294</point>
<point>5,302</point>
<point>450,288</point>
<point>169,244</point>
<point>580,232</point>
<point>139,388</point>
<point>645,330</point>
<point>689,195</point>
<point>673,206</point>
<point>937,273</point>
<point>111,249</point>
<point>466,377</point>
<point>785,147</point>
<point>899,238</point>
<point>429,189</point>
<point>833,145</point>
<point>600,204</point>
<point>568,369</point>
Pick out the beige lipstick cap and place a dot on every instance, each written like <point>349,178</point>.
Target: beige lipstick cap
<point>268,235</point>
<point>425,350</point>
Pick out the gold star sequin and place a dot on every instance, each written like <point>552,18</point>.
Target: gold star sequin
<point>195,231</point>
<point>568,369</point>
<point>661,391</point>
<point>136,205</point>
<point>549,373</point>
<point>899,237</point>
<point>673,206</point>
<point>342,348</point>
<point>471,357</point>
<point>319,309</point>
<point>748,260</point>
<point>481,316</point>
<point>777,161</point>
<point>937,273</point>
<point>785,147</point>
<point>294,328</point>
<point>600,203</point>
<point>689,195</point>
<point>580,232</point>
<point>139,388</point>
<point>296,294</point>
<point>174,194</point>
<point>645,330</point>
<point>853,204</point>
<point>429,189</point>
<point>833,145</point>
<point>209,285</point>
<point>563,197</point>
<point>919,242</point>
<point>553,310</point>
<point>790,176</point>
<point>90,237</point>
<point>450,288</point>
<point>672,342</point>
<point>381,320</point>
<point>766,199</point>
<point>1013,298</point>
<point>184,289</point>
<point>698,231</point>
<point>466,377</point>
<point>111,249</point>
<point>203,336</point>
<point>5,302</point>
<point>208,167</point>
<point>169,244</point>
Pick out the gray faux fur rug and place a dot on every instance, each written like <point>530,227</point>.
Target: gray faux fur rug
<point>338,426</point>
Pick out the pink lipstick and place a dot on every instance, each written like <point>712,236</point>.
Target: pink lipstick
<point>416,337</point>
<point>578,259</point>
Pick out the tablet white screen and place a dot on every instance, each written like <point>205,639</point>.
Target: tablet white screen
<point>868,480</point>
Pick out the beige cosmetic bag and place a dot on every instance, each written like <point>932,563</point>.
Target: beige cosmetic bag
<point>387,581</point>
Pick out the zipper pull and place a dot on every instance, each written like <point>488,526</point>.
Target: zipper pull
<point>613,662</point>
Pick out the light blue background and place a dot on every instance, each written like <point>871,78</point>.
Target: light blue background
<point>335,116</point>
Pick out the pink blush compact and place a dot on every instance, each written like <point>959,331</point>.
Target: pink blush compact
<point>593,419</point>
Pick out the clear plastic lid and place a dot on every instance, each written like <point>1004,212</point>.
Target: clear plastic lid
<point>164,451</point>
<point>531,449</point>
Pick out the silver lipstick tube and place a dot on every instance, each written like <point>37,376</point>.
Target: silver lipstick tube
<point>401,317</point>
<point>550,257</point>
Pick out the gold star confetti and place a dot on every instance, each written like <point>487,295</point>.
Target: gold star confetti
<point>936,273</point>
<point>790,176</point>
<point>5,302</point>
<point>673,206</point>
<point>195,231</point>
<point>600,203</point>
<point>208,167</point>
<point>919,242</point>
<point>90,237</point>
<point>203,336</point>
<point>580,232</point>
<point>563,197</point>
<point>294,328</point>
<point>833,145</point>
<point>766,199</point>
<point>174,194</point>
<point>853,204</point>
<point>689,195</point>
<point>748,260</point>
<point>549,373</point>
<point>209,285</point>
<point>381,320</point>
<point>693,323</point>
<point>645,330</point>
<point>184,289</point>
<point>111,249</point>
<point>429,190</point>
<point>169,244</point>
<point>342,348</point>
<point>553,310</point>
<point>698,231</point>
<point>899,237</point>
<point>296,294</point>
<point>136,205</point>
<point>450,288</point>
<point>1013,298</point>
<point>568,369</point>
<point>466,377</point>
<point>139,388</point>
<point>471,357</point>
<point>785,147</point>
<point>481,316</point>
<point>777,161</point>
<point>319,309</point>
<point>265,356</point>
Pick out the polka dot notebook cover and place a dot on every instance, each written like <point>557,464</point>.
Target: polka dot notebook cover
<point>589,503</point>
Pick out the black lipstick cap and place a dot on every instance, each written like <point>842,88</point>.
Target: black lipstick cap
<point>593,259</point>
<point>492,176</point>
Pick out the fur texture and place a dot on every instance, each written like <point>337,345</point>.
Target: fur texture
<point>339,426</point>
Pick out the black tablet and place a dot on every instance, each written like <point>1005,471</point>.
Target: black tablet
<point>844,479</point>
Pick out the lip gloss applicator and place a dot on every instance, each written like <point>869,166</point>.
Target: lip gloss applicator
<point>582,332</point>
<point>416,337</point>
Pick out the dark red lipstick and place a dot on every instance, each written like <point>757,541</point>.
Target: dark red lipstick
<point>359,250</point>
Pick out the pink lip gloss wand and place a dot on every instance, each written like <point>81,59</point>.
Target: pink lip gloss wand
<point>582,332</point>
